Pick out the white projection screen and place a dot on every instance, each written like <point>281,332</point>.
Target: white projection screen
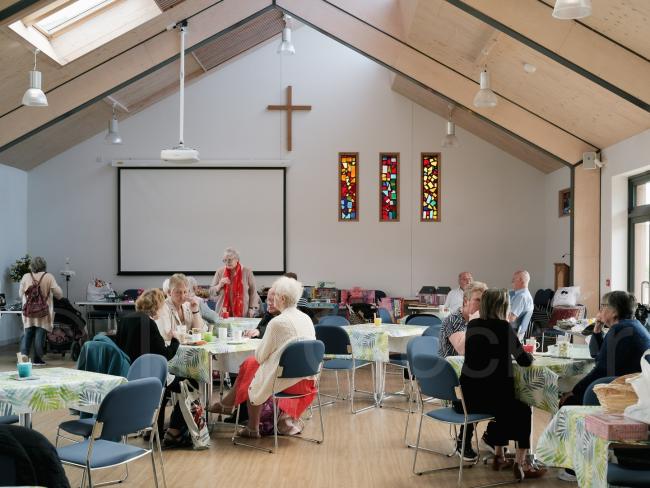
<point>181,219</point>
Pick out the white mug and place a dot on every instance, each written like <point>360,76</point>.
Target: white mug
<point>533,342</point>
<point>223,333</point>
<point>236,334</point>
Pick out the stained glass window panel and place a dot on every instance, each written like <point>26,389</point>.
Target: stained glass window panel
<point>389,187</point>
<point>348,187</point>
<point>430,201</point>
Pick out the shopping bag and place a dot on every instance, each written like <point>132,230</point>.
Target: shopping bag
<point>194,415</point>
<point>640,411</point>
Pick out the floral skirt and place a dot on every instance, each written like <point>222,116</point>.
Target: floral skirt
<point>293,407</point>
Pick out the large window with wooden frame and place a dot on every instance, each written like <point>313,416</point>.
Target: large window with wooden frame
<point>66,29</point>
<point>639,237</point>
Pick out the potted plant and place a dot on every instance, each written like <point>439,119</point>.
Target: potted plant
<point>20,268</point>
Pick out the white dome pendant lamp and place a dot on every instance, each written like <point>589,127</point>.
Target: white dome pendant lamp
<point>34,96</point>
<point>485,97</point>
<point>450,140</point>
<point>572,9</point>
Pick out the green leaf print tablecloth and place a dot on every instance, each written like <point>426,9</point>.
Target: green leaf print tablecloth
<point>54,389</point>
<point>195,361</point>
<point>371,342</point>
<point>565,443</point>
<point>537,385</point>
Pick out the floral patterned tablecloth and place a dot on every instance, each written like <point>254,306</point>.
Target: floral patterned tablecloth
<point>194,361</point>
<point>565,443</point>
<point>371,342</point>
<point>537,385</point>
<point>53,389</point>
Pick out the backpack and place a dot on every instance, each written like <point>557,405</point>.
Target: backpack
<point>36,305</point>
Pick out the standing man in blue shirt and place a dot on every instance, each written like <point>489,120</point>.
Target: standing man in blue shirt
<point>521,301</point>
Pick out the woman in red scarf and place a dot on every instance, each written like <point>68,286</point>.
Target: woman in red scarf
<point>233,287</point>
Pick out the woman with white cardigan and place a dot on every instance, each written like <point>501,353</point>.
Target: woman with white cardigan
<point>257,374</point>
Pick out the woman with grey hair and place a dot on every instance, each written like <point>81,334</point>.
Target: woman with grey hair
<point>488,383</point>
<point>233,287</point>
<point>257,374</point>
<point>37,327</point>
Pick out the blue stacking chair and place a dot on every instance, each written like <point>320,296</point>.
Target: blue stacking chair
<point>333,320</point>
<point>433,331</point>
<point>8,419</point>
<point>436,378</point>
<point>418,345</point>
<point>628,477</point>
<point>523,325</point>
<point>127,409</point>
<point>299,360</point>
<point>337,342</point>
<point>590,397</point>
<point>384,315</point>
<point>423,319</point>
<point>146,366</point>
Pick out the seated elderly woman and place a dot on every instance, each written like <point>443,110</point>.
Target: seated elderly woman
<point>619,352</point>
<point>233,287</point>
<point>207,314</point>
<point>254,382</point>
<point>137,332</point>
<point>488,383</point>
<point>179,309</point>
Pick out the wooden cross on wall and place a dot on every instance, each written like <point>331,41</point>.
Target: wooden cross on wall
<point>290,109</point>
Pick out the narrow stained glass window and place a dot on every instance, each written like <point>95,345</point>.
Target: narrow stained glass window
<point>348,187</point>
<point>430,201</point>
<point>389,187</point>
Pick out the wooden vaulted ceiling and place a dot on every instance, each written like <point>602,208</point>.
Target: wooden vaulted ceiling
<point>589,90</point>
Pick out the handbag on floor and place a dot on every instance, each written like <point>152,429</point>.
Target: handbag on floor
<point>194,415</point>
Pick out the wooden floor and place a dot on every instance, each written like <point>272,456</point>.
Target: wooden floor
<point>363,450</point>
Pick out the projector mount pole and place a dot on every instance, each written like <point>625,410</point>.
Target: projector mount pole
<point>183,30</point>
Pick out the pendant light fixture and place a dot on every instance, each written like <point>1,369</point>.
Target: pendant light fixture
<point>572,9</point>
<point>450,140</point>
<point>113,135</point>
<point>485,98</point>
<point>286,46</point>
<point>34,96</point>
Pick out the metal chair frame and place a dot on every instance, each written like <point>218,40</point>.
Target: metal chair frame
<point>278,395</point>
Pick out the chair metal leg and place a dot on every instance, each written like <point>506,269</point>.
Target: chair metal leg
<point>275,423</point>
<point>90,480</point>
<point>153,468</point>
<point>83,479</point>
<point>162,462</point>
<point>238,443</point>
<point>417,444</point>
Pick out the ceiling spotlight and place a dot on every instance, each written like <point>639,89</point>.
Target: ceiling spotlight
<point>450,140</point>
<point>286,46</point>
<point>530,68</point>
<point>485,98</point>
<point>34,96</point>
<point>113,135</point>
<point>572,9</point>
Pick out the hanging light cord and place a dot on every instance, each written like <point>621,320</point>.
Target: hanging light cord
<point>36,51</point>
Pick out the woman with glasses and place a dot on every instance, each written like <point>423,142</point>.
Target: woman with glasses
<point>488,384</point>
<point>618,352</point>
<point>233,287</point>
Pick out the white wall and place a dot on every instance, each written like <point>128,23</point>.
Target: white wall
<point>625,159</point>
<point>492,204</point>
<point>558,229</point>
<point>13,241</point>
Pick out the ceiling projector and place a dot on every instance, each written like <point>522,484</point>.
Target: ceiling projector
<point>180,154</point>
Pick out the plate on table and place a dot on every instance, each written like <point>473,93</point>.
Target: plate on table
<point>234,342</point>
<point>18,378</point>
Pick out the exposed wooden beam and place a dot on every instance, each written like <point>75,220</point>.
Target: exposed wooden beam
<point>569,43</point>
<point>126,68</point>
<point>391,52</point>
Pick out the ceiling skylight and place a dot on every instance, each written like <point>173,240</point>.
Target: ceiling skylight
<point>72,13</point>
